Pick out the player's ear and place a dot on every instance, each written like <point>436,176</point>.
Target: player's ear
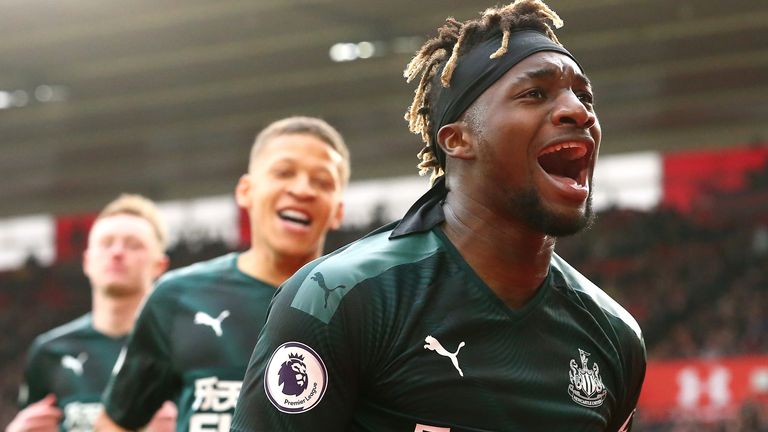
<point>161,266</point>
<point>243,191</point>
<point>338,217</point>
<point>86,262</point>
<point>457,141</point>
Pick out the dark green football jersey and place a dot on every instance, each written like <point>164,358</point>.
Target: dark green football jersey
<point>396,332</point>
<point>73,362</point>
<point>191,343</point>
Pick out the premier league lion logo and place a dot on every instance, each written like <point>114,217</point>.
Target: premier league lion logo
<point>296,378</point>
<point>293,375</point>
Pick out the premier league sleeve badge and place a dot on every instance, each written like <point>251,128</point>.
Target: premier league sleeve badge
<point>296,378</point>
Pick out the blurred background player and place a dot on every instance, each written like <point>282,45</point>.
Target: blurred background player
<point>461,317</point>
<point>69,366</point>
<point>197,330</point>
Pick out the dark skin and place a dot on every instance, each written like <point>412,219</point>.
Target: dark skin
<point>504,210</point>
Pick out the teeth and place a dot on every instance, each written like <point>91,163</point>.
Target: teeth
<point>295,215</point>
<point>579,152</point>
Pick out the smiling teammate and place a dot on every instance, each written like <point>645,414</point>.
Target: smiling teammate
<point>461,317</point>
<point>196,332</point>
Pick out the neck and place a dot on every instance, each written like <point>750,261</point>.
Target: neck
<point>114,316</point>
<point>510,258</point>
<point>270,267</point>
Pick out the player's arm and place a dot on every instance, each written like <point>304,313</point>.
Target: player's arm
<point>40,416</point>
<point>303,373</point>
<point>163,421</point>
<point>39,412</point>
<point>636,358</point>
<point>39,372</point>
<point>144,377</point>
<point>105,424</point>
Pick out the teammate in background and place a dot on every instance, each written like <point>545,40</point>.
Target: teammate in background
<point>69,366</point>
<point>461,317</point>
<point>196,332</point>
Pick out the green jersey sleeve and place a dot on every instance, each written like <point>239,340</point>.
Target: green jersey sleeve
<point>305,368</point>
<point>143,377</point>
<point>35,384</point>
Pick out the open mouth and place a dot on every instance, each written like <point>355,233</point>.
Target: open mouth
<point>295,216</point>
<point>568,160</point>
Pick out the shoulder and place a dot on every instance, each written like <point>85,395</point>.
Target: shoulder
<point>192,276</point>
<point>63,333</point>
<point>373,255</point>
<point>320,286</point>
<point>592,293</point>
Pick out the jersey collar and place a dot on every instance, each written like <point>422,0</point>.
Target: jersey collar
<point>425,213</point>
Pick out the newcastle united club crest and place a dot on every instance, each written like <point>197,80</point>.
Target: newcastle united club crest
<point>586,386</point>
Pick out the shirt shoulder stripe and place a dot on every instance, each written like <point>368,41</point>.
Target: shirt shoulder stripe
<point>323,288</point>
<point>78,325</point>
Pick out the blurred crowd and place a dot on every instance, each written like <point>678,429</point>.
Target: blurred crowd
<point>697,284</point>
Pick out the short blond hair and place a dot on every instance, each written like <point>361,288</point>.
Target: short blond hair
<point>301,125</point>
<point>137,205</point>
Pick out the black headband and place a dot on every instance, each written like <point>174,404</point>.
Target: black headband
<point>476,72</point>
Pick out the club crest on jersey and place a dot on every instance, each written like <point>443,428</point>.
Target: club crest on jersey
<point>296,378</point>
<point>586,386</point>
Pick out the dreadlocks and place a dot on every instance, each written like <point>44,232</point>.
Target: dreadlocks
<point>454,39</point>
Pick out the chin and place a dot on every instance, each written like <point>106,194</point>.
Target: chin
<point>566,226</point>
<point>550,221</point>
<point>120,290</point>
<point>297,251</point>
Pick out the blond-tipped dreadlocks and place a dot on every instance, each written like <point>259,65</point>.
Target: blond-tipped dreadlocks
<point>456,38</point>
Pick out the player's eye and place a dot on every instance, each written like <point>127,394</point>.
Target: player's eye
<point>323,183</point>
<point>586,97</point>
<point>283,171</point>
<point>535,93</point>
<point>133,244</point>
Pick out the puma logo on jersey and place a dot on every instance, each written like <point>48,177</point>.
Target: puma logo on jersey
<point>75,364</point>
<point>433,344</point>
<point>318,277</point>
<point>203,318</point>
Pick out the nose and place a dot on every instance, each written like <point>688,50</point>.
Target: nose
<point>572,111</point>
<point>301,187</point>
<point>117,248</point>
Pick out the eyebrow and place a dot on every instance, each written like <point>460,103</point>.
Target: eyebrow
<point>551,72</point>
<point>293,160</point>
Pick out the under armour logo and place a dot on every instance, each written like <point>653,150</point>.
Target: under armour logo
<point>432,344</point>
<point>318,277</point>
<point>203,318</point>
<point>75,364</point>
<point>694,387</point>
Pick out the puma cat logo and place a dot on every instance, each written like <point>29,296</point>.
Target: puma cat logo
<point>433,344</point>
<point>75,364</point>
<point>318,277</point>
<point>203,318</point>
